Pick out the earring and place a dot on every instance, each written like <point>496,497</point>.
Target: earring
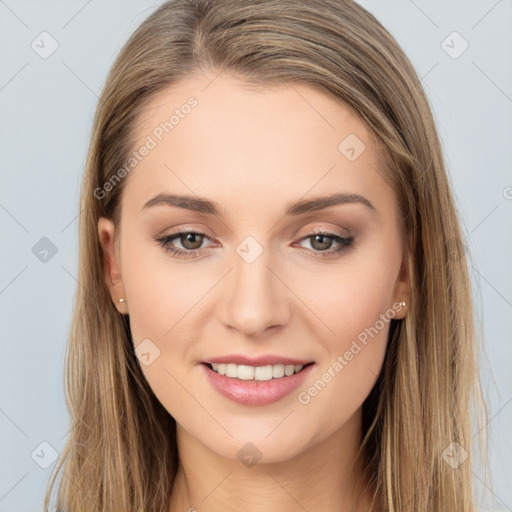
<point>403,304</point>
<point>122,300</point>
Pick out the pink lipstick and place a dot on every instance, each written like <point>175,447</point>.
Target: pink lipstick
<point>256,381</point>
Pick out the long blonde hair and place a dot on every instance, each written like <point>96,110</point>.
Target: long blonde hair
<point>121,453</point>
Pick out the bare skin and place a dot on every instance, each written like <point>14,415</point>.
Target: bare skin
<point>254,152</point>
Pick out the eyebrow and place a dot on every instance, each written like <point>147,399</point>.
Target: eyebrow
<point>203,205</point>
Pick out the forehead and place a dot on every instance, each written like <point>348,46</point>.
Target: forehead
<point>303,111</point>
<point>217,136</point>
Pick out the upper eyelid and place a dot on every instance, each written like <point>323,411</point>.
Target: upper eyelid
<point>314,230</point>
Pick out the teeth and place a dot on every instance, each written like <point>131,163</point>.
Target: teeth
<point>263,373</point>
<point>278,371</point>
<point>245,372</point>
<point>231,370</point>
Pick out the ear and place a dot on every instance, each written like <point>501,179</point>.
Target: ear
<point>111,267</point>
<point>401,292</point>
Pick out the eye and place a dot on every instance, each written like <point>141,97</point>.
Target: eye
<point>191,242</point>
<point>323,241</point>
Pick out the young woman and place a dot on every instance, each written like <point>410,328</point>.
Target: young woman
<point>274,310</point>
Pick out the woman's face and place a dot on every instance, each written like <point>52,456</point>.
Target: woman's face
<point>277,279</point>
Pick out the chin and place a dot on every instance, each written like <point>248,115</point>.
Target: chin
<point>252,446</point>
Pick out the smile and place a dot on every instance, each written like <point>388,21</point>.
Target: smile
<point>256,385</point>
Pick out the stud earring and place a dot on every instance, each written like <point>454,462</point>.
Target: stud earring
<point>123,300</point>
<point>403,304</point>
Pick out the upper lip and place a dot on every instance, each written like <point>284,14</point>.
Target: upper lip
<point>263,360</point>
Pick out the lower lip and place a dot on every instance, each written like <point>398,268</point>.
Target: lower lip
<point>252,392</point>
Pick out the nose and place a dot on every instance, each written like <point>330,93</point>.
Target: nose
<point>254,299</point>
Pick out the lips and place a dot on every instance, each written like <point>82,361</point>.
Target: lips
<point>254,391</point>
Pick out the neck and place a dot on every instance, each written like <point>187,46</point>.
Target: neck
<point>326,476</point>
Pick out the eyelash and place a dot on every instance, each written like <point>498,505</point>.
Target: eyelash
<point>345,242</point>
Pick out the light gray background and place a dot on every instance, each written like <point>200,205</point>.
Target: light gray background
<point>46,108</point>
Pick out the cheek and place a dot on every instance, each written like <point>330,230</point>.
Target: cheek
<point>360,316</point>
<point>161,294</point>
<point>355,302</point>
<point>158,305</point>
<point>359,306</point>
<point>352,298</point>
<point>164,302</point>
